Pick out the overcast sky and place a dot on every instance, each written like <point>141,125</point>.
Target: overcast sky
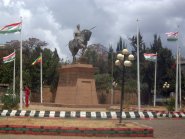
<point>54,21</point>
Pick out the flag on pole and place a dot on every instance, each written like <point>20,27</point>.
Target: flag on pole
<point>11,28</point>
<point>38,60</point>
<point>9,58</point>
<point>150,57</point>
<point>172,36</point>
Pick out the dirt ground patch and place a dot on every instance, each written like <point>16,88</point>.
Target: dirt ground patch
<point>50,108</point>
<point>68,122</point>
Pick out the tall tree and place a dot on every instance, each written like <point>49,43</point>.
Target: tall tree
<point>142,46</point>
<point>142,49</point>
<point>111,59</point>
<point>97,56</point>
<point>51,66</point>
<point>121,45</point>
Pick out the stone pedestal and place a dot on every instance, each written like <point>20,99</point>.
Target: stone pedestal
<point>76,85</point>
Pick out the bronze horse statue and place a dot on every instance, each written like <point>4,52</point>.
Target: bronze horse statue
<point>75,45</point>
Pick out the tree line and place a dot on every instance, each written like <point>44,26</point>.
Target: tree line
<point>99,56</point>
<point>166,69</point>
<point>32,48</point>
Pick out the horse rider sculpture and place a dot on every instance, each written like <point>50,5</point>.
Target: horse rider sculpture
<point>78,37</point>
<point>80,41</point>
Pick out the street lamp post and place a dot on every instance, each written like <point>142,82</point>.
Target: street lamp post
<point>114,84</point>
<point>166,86</point>
<point>138,70</point>
<point>112,87</point>
<point>124,60</point>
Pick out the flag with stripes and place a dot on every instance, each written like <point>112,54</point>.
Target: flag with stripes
<point>150,57</point>
<point>11,28</point>
<point>9,58</point>
<point>38,60</point>
<point>172,36</point>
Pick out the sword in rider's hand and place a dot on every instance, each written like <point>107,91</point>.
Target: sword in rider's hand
<point>92,28</point>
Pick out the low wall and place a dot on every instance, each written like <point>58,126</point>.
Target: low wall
<point>130,98</point>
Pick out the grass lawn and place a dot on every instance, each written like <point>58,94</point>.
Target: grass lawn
<point>86,123</point>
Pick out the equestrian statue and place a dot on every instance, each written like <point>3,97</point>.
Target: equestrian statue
<point>80,41</point>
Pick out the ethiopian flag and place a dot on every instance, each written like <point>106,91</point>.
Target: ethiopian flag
<point>9,58</point>
<point>172,36</point>
<point>150,57</point>
<point>38,60</point>
<point>12,28</point>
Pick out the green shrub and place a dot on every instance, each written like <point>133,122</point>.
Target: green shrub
<point>9,100</point>
<point>170,104</point>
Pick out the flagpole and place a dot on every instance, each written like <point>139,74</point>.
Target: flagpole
<point>180,93</point>
<point>21,88</point>
<point>155,81</point>
<point>176,92</point>
<point>138,72</point>
<point>177,73</point>
<point>112,89</point>
<point>14,76</point>
<point>41,79</point>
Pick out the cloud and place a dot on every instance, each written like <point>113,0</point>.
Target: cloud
<point>6,2</point>
<point>54,21</point>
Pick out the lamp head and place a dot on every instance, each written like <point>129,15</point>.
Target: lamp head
<point>168,85</point>
<point>125,51</point>
<point>127,63</point>
<point>117,63</point>
<point>131,57</point>
<point>120,56</point>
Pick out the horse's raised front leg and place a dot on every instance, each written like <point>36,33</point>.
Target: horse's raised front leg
<point>83,50</point>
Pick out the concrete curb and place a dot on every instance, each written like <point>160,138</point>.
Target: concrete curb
<point>93,115</point>
<point>73,131</point>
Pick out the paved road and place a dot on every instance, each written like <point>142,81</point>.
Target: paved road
<point>163,129</point>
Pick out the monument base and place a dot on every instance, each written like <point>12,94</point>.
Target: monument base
<point>77,85</point>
